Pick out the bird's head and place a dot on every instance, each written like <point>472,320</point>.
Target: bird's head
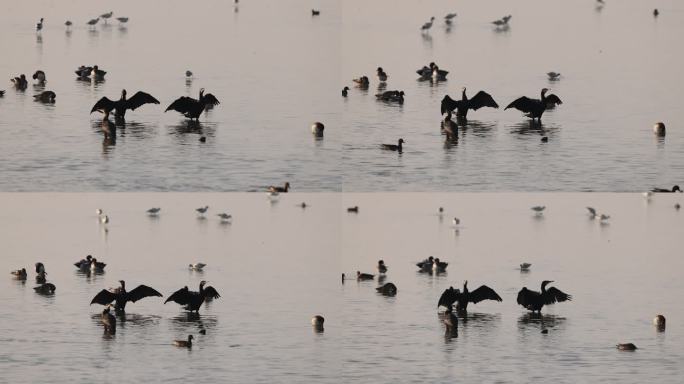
<point>190,337</point>
<point>122,282</point>
<point>379,69</point>
<point>401,141</point>
<point>203,283</point>
<point>544,90</point>
<point>545,283</point>
<point>123,93</point>
<point>676,188</point>
<point>465,285</point>
<point>201,92</point>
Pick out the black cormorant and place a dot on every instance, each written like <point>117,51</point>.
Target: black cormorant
<point>191,299</point>
<point>534,301</point>
<point>122,296</point>
<point>120,106</point>
<point>534,108</point>
<point>481,99</point>
<point>451,296</point>
<point>45,97</point>
<point>397,96</point>
<point>192,108</point>
<point>45,288</point>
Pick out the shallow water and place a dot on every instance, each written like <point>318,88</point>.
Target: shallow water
<point>278,264</point>
<point>276,69</point>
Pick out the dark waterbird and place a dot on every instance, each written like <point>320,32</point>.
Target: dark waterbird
<point>20,82</point>
<point>108,321</point>
<point>451,296</point>
<point>284,189</point>
<point>534,301</point>
<point>184,343</point>
<point>396,96</point>
<point>45,97</point>
<point>345,91</point>
<point>120,106</point>
<point>354,209</point>
<point>481,99</point>
<point>391,147</point>
<point>382,268</point>
<point>388,289</point>
<point>451,323</point>
<point>20,274</point>
<point>364,276</point>
<point>362,82</point>
<point>2,93</point>
<point>40,76</point>
<point>665,190</point>
<point>193,300</point>
<point>382,76</point>
<point>45,289</point>
<point>93,72</point>
<point>122,297</point>
<point>534,108</point>
<point>192,108</point>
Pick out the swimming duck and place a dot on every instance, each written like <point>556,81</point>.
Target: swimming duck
<point>388,289</point>
<point>94,72</point>
<point>192,108</point>
<point>438,74</point>
<point>665,190</point>
<point>317,128</point>
<point>120,106</point>
<point>553,75</point>
<point>362,82</point>
<point>188,73</point>
<point>96,266</point>
<point>40,273</point>
<point>197,266</point>
<point>317,322</point>
<point>354,209</point>
<point>345,91</point>
<point>20,274</point>
<point>364,276</point>
<point>40,76</point>
<point>659,128</point>
<point>315,12</point>
<point>45,97</point>
<point>39,26</point>
<point>106,16</point>
<point>283,189</point>
<point>659,322</point>
<point>122,297</point>
<point>451,323</point>
<point>193,300</point>
<point>153,211</point>
<point>382,268</point>
<point>84,263</point>
<point>426,265</point>
<point>396,96</point>
<point>392,147</point>
<point>108,321</point>
<point>382,76</point>
<point>525,267</point>
<point>439,266</point>
<point>184,343</point>
<point>20,82</point>
<point>627,347</point>
<point>45,288</point>
<point>538,209</point>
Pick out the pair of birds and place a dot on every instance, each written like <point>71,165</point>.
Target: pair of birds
<point>502,22</point>
<point>188,106</point>
<point>533,108</point>
<point>432,264</point>
<point>530,300</point>
<point>432,72</point>
<point>192,300</point>
<point>90,264</point>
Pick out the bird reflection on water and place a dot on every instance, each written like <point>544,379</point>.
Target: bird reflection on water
<point>542,321</point>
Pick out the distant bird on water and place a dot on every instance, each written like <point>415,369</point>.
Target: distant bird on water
<point>534,108</point>
<point>315,12</point>
<point>122,20</point>
<point>120,106</point>
<point>480,100</point>
<point>20,82</point>
<point>399,147</point>
<point>381,267</point>
<point>2,93</point>
<point>40,76</point>
<point>388,289</point>
<point>20,274</point>
<point>153,211</point>
<point>104,219</point>
<point>317,128</point>
<point>108,321</point>
<point>538,209</point>
<point>192,108</point>
<point>193,300</point>
<point>92,22</point>
<point>659,128</point>
<point>382,76</point>
<point>122,297</point>
<point>106,16</point>
<point>184,343</point>
<point>93,72</point>
<point>534,301</point>
<point>525,267</point>
<point>45,97</point>
<point>284,189</point>
<point>68,24</point>
<point>592,212</point>
<point>451,323</point>
<point>553,75</point>
<point>462,298</point>
<point>225,217</point>
<point>317,322</point>
<point>449,17</point>
<point>197,266</point>
<point>364,276</point>
<point>426,27</point>
<point>655,12</point>
<point>45,288</point>
<point>362,82</point>
<point>202,210</point>
<point>345,91</point>
<point>354,209</point>
<point>188,73</point>
<point>626,347</point>
<point>39,26</point>
<point>391,96</point>
<point>665,190</point>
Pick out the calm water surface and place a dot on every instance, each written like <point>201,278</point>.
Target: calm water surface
<point>276,69</point>
<point>276,265</point>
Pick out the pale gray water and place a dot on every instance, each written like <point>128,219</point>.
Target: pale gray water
<point>276,265</point>
<point>276,69</point>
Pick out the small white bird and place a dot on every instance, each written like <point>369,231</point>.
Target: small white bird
<point>153,211</point>
<point>525,266</point>
<point>539,209</point>
<point>104,219</point>
<point>202,210</point>
<point>592,212</point>
<point>224,217</point>
<point>456,221</point>
<point>648,195</point>
<point>197,266</point>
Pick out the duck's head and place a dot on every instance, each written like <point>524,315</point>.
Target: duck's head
<point>676,189</point>
<point>432,65</point>
<point>380,70</point>
<point>401,141</point>
<point>190,337</point>
<point>346,88</point>
<point>381,262</point>
<point>123,283</point>
<point>401,93</point>
<point>23,77</point>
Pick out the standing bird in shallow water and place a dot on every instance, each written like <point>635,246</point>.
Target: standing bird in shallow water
<point>534,301</point>
<point>108,321</point>
<point>192,108</point>
<point>534,108</point>
<point>92,22</point>
<point>481,99</point>
<point>451,296</point>
<point>193,300</point>
<point>122,20</point>
<point>122,297</point>
<point>39,26</point>
<point>120,106</point>
<point>426,27</point>
<point>106,16</point>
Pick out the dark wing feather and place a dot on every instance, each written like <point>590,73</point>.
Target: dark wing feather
<point>482,99</point>
<point>483,293</point>
<point>139,99</point>
<point>448,298</point>
<point>524,104</point>
<point>210,99</point>
<point>448,104</point>
<point>103,105</point>
<point>556,295</point>
<point>526,297</point>
<point>211,292</point>
<point>104,297</point>
<point>181,296</point>
<point>142,291</point>
<point>182,104</point>
<point>553,100</point>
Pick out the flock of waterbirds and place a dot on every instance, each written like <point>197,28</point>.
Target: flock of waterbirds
<point>451,299</point>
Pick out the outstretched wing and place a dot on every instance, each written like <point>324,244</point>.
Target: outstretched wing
<point>482,99</point>
<point>553,100</point>
<point>210,292</point>
<point>483,293</point>
<point>182,104</point>
<point>556,295</point>
<point>103,105</point>
<point>210,99</point>
<point>139,99</point>
<point>448,104</point>
<point>141,292</point>
<point>181,296</point>
<point>448,298</point>
<point>104,297</point>
<point>524,104</point>
<point>526,297</point>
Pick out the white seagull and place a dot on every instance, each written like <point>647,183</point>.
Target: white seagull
<point>104,219</point>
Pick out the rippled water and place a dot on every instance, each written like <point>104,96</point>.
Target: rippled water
<point>277,264</point>
<point>276,69</point>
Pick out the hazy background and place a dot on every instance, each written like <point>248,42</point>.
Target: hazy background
<point>277,265</point>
